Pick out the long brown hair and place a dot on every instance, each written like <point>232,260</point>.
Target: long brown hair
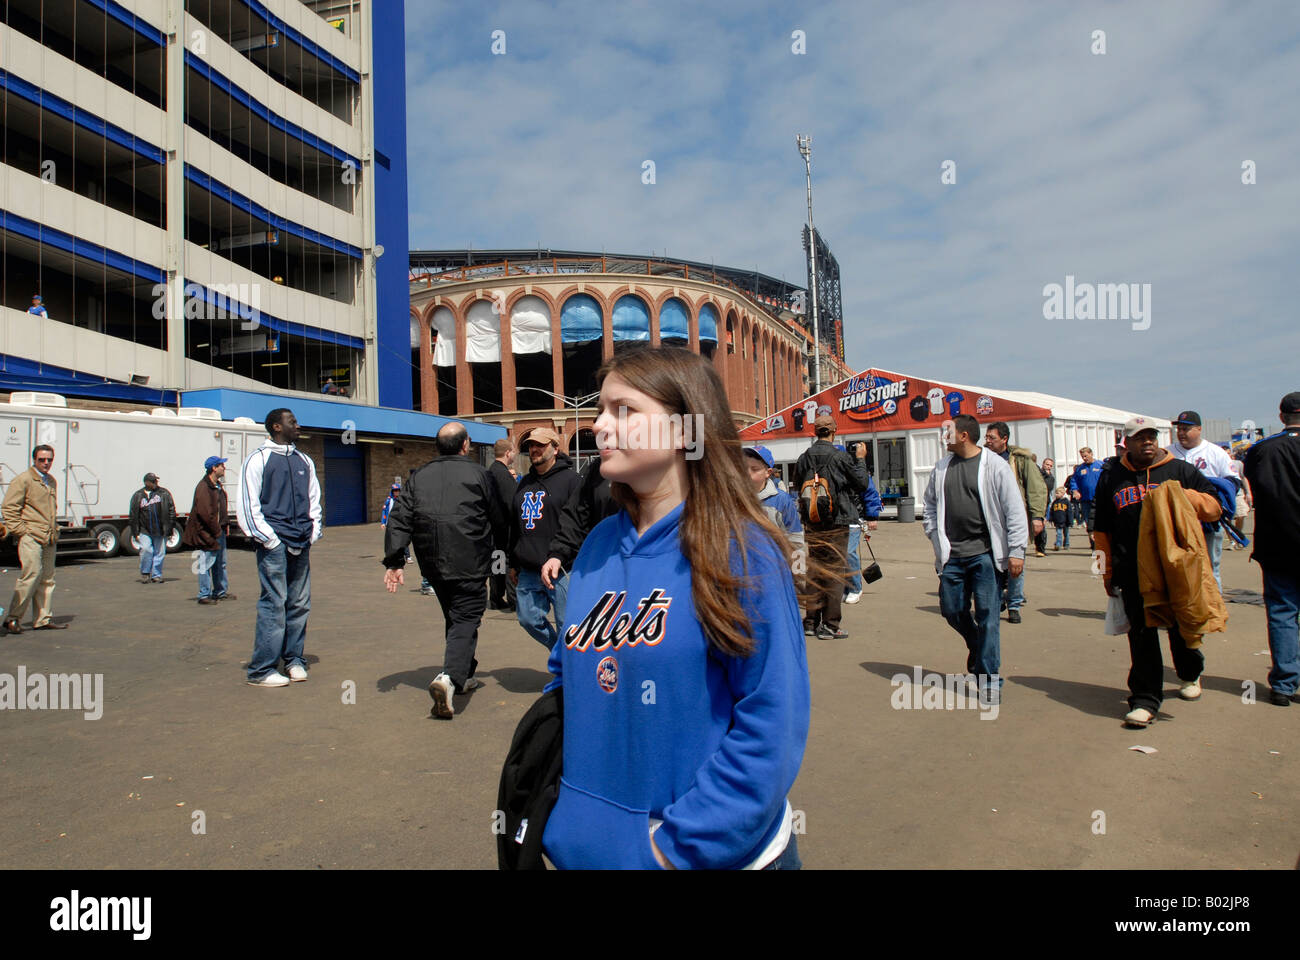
<point>721,507</point>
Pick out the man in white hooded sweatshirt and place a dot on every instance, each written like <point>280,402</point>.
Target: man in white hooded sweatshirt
<point>975,519</point>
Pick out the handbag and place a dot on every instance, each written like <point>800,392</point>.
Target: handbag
<point>872,573</point>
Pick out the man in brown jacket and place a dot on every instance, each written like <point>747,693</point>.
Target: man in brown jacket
<point>30,511</point>
<point>206,530</point>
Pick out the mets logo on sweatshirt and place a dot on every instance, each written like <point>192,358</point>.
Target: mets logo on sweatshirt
<point>607,674</point>
<point>605,626</point>
<point>532,509</point>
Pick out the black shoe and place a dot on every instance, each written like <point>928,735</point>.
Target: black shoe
<point>1003,607</point>
<point>809,630</point>
<point>1013,616</point>
<point>1279,699</point>
<point>825,632</point>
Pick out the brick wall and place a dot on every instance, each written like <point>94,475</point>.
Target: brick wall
<point>386,462</point>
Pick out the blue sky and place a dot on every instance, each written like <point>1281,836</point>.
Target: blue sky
<point>1117,168</point>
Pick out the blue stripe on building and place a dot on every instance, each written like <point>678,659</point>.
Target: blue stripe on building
<point>392,291</point>
<point>79,116</point>
<point>274,119</point>
<point>78,247</point>
<point>219,189</point>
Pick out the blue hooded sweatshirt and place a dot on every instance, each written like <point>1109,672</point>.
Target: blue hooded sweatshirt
<point>658,723</point>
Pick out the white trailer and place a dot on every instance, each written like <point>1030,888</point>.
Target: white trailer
<point>100,458</point>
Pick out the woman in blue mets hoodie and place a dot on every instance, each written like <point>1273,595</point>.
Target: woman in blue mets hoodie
<point>682,657</point>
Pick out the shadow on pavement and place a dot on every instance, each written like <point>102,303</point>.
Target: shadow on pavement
<point>1221,684</point>
<point>1073,612</point>
<point>930,609</point>
<point>891,670</point>
<point>518,679</point>
<point>1109,702</point>
<point>420,679</point>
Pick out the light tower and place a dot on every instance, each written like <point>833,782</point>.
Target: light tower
<point>805,150</point>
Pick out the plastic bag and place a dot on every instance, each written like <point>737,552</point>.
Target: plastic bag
<point>1116,618</point>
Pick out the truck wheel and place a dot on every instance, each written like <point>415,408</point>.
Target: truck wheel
<point>108,539</point>
<point>130,546</point>
<point>174,540</point>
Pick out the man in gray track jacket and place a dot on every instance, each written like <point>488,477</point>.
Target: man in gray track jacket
<point>975,519</point>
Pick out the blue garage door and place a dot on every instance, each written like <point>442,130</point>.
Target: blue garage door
<point>345,483</point>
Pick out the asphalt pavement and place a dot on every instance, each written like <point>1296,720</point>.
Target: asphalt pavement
<point>188,766</point>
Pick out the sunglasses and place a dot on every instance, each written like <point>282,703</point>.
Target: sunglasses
<point>44,459</point>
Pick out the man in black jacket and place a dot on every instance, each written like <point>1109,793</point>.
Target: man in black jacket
<point>828,542</point>
<point>534,519</point>
<point>153,514</point>
<point>449,513</point>
<point>1273,471</point>
<point>502,590</point>
<point>591,504</point>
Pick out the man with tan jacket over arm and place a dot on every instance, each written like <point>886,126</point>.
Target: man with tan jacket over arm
<point>30,511</point>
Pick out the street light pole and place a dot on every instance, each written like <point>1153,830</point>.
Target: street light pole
<point>805,150</point>
<point>574,402</point>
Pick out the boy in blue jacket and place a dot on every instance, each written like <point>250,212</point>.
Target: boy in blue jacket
<point>1060,514</point>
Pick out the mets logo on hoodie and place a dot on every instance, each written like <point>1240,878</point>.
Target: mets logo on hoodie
<point>532,508</point>
<point>605,626</point>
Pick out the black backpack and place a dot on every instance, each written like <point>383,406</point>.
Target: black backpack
<point>530,783</point>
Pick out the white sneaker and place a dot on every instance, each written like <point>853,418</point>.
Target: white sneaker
<point>272,679</point>
<point>1141,717</point>
<point>297,672</point>
<point>441,689</point>
<point>853,597</point>
<point>1191,691</point>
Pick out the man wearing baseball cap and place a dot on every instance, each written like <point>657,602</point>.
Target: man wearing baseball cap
<point>1122,487</point>
<point>206,530</point>
<point>828,538</point>
<point>1273,471</point>
<point>534,520</point>
<point>1213,461</point>
<point>153,514</point>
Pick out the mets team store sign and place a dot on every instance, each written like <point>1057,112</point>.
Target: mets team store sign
<point>878,400</point>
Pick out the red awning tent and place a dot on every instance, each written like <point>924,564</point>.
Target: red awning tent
<point>880,403</point>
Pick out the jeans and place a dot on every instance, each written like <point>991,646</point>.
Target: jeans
<point>1282,602</point>
<point>533,601</point>
<point>974,578</point>
<point>1012,589</point>
<point>1146,676</point>
<point>788,859</point>
<point>463,603</point>
<point>1214,541</point>
<point>1063,532</point>
<point>282,609</point>
<point>855,561</point>
<point>152,550</point>
<point>212,580</point>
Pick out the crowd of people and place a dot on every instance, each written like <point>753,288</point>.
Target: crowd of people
<point>681,754</point>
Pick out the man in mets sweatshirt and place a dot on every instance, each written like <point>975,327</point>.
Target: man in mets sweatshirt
<point>279,509</point>
<point>1123,486</point>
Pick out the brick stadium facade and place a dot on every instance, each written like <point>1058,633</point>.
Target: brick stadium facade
<point>572,314</point>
